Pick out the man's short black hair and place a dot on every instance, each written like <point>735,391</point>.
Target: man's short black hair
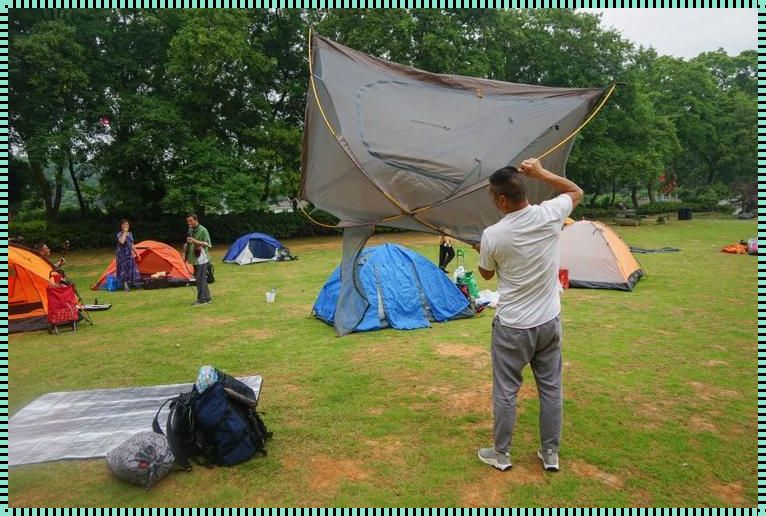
<point>193,216</point>
<point>508,181</point>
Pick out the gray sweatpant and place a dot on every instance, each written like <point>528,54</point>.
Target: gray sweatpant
<point>200,273</point>
<point>512,350</point>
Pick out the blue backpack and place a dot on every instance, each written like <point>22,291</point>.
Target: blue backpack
<point>221,425</point>
<point>227,426</point>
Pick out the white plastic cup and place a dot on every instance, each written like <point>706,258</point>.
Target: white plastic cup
<point>270,297</point>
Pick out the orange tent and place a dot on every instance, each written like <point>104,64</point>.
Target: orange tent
<point>28,275</point>
<point>154,257</point>
<point>596,257</point>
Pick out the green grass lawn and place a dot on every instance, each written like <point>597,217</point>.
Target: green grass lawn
<point>660,388</point>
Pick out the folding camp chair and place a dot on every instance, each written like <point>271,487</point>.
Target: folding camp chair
<point>62,307</point>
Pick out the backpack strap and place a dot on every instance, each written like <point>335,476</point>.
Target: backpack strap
<point>155,423</point>
<point>241,398</point>
<point>180,457</point>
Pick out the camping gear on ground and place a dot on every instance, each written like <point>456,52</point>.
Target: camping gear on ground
<point>155,257</point>
<point>684,214</point>
<point>641,250</point>
<point>271,295</point>
<point>255,248</point>
<point>488,297</point>
<point>739,248</point>
<point>468,279</point>
<point>143,460</point>
<point>386,144</point>
<point>111,283</point>
<point>65,306</point>
<point>87,424</point>
<point>464,277</point>
<point>63,309</point>
<point>596,257</point>
<point>97,307</point>
<point>402,289</point>
<point>752,246</point>
<point>216,420</point>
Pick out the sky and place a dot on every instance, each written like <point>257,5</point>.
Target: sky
<point>686,32</point>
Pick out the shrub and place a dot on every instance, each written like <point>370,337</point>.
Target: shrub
<point>94,233</point>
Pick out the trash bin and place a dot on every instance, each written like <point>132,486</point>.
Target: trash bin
<point>685,214</point>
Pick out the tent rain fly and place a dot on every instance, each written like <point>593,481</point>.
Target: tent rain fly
<point>386,144</point>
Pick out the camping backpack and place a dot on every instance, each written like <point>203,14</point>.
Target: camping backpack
<point>221,425</point>
<point>184,439</point>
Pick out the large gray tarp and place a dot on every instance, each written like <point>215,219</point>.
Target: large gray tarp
<point>87,424</point>
<point>386,144</point>
<point>406,139</point>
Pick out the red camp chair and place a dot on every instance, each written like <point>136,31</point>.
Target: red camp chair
<point>62,307</point>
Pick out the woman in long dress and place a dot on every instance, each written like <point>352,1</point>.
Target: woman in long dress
<point>127,258</point>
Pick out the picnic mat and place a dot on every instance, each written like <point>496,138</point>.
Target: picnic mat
<point>87,424</point>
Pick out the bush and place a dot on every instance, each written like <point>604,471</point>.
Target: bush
<point>582,211</point>
<point>655,208</point>
<point>90,233</point>
<point>706,198</point>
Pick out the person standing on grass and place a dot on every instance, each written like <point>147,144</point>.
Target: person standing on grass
<point>446,252</point>
<point>126,258</point>
<point>196,252</point>
<point>523,249</point>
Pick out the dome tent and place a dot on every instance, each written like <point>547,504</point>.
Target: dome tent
<point>155,257</point>
<point>596,257</point>
<point>256,247</point>
<point>28,275</point>
<point>404,291</point>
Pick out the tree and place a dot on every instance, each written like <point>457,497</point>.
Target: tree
<point>46,103</point>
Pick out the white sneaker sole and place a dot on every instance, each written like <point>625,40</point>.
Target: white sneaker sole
<point>494,463</point>
<point>547,467</point>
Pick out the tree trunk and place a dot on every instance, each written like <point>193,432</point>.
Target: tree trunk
<point>634,196</point>
<point>614,191</point>
<point>267,187</point>
<point>650,188</point>
<point>57,195</point>
<point>592,202</point>
<point>43,186</point>
<point>80,200</point>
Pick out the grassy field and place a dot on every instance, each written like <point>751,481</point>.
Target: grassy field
<point>660,388</point>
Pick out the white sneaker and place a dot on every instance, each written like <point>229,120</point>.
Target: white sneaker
<point>501,461</point>
<point>549,458</point>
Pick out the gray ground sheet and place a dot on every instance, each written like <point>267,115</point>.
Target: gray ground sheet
<point>87,424</point>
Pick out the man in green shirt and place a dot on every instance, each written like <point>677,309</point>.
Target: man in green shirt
<point>196,252</point>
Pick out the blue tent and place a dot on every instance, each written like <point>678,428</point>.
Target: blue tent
<point>404,290</point>
<point>256,247</point>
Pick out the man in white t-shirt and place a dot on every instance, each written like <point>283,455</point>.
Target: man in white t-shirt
<point>523,250</point>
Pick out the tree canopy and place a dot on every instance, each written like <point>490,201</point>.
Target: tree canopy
<point>172,110</point>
